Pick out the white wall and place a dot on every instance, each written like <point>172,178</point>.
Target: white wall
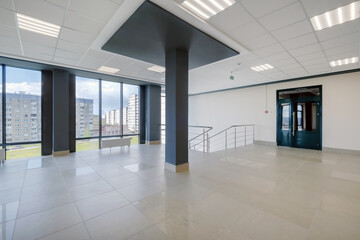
<point>341,109</point>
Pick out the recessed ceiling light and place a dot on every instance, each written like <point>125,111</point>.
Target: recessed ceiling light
<point>157,69</point>
<point>108,69</point>
<point>38,26</point>
<point>262,67</point>
<point>344,61</point>
<point>336,16</point>
<point>206,8</point>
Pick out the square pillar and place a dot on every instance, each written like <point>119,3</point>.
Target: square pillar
<point>176,79</point>
<point>153,114</point>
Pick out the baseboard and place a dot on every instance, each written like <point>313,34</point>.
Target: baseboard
<point>153,142</point>
<point>340,150</point>
<point>61,153</point>
<point>266,143</point>
<point>177,168</point>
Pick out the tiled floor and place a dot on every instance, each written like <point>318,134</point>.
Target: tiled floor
<point>257,192</point>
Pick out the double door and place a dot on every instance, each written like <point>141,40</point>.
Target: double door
<point>299,120</point>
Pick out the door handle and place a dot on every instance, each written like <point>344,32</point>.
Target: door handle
<point>293,130</point>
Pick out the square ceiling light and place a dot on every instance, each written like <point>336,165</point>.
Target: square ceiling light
<point>108,69</point>
<point>157,69</point>
<point>206,8</point>
<point>261,68</point>
<point>344,61</point>
<point>37,25</point>
<point>337,16</point>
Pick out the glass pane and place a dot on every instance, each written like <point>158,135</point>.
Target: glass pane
<point>300,116</point>
<point>87,107</point>
<point>1,104</point>
<point>23,105</point>
<point>131,109</point>
<point>313,116</point>
<point>111,116</point>
<point>86,145</point>
<point>285,114</point>
<point>23,151</point>
<point>300,92</point>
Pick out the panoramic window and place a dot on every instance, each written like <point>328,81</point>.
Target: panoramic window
<point>111,109</point>
<point>131,111</point>
<point>87,114</point>
<point>23,113</point>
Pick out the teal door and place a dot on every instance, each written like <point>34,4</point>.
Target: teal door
<point>299,118</point>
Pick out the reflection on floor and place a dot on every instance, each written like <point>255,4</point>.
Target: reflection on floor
<point>257,192</point>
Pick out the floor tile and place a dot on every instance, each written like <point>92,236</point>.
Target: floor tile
<point>46,222</point>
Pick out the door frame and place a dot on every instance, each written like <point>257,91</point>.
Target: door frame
<point>278,112</point>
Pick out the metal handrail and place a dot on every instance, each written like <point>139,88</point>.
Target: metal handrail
<point>226,136</point>
<point>246,125</point>
<point>203,127</point>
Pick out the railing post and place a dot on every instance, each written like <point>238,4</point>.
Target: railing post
<point>245,136</point>
<point>207,142</point>
<point>226,140</point>
<point>203,140</point>
<point>235,137</point>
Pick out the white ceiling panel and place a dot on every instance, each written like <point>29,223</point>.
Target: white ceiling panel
<point>6,4</point>
<point>10,42</point>
<point>311,56</point>
<point>340,56</point>
<point>339,30</point>
<point>75,56</point>
<point>260,42</point>
<point>38,38</point>
<point>305,50</point>
<point>82,23</point>
<point>120,62</point>
<point>94,59</point>
<point>341,41</point>
<point>75,36</point>
<point>316,7</point>
<point>260,8</point>
<point>294,30</point>
<point>283,17</point>
<point>278,57</point>
<point>70,46</point>
<point>66,61</point>
<point>7,17</point>
<point>60,3</point>
<point>316,61</point>
<point>230,18</point>
<point>344,49</point>
<point>270,50</point>
<point>100,10</point>
<point>41,10</point>
<point>38,51</point>
<point>8,31</point>
<point>247,31</point>
<point>300,41</point>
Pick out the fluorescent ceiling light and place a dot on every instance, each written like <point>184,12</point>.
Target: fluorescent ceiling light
<point>108,69</point>
<point>336,16</point>
<point>207,8</point>
<point>344,61</point>
<point>262,67</point>
<point>157,69</point>
<point>37,26</point>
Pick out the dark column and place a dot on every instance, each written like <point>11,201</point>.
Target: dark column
<point>60,113</point>
<point>153,114</point>
<point>72,113</point>
<point>177,70</point>
<point>142,114</point>
<point>46,112</point>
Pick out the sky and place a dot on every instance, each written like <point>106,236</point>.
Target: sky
<point>18,79</point>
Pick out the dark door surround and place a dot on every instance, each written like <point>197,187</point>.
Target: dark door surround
<point>290,117</point>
